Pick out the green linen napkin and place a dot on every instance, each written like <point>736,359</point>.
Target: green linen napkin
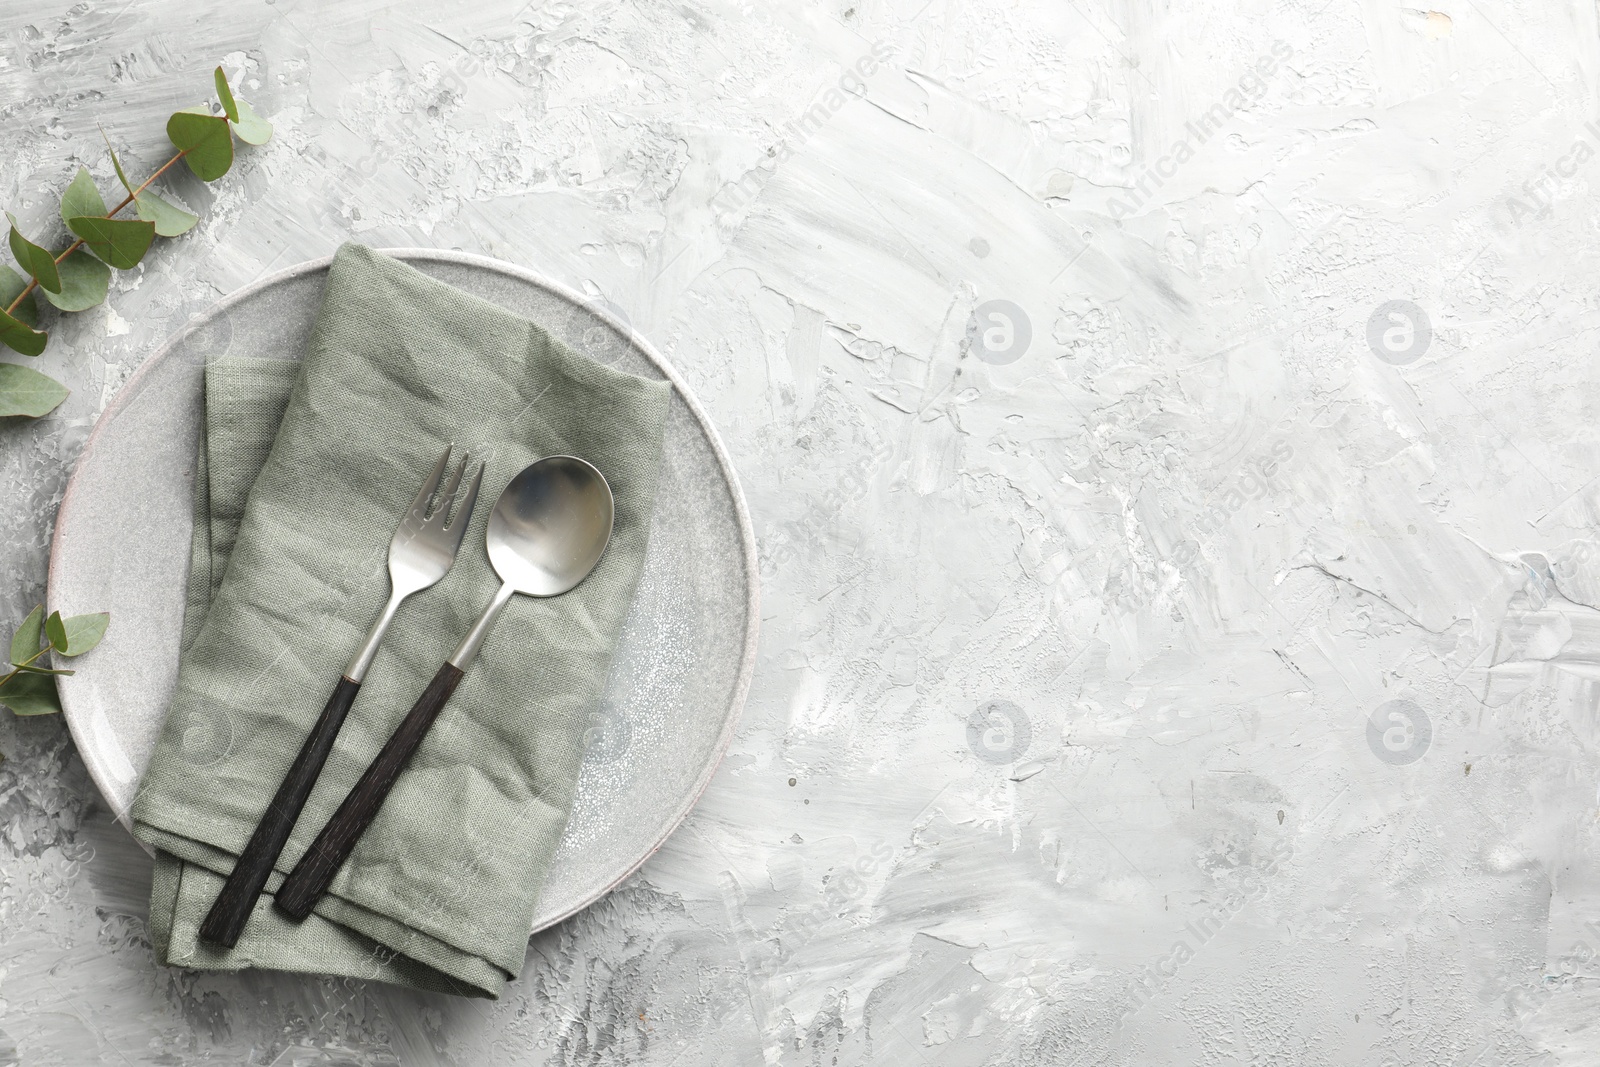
<point>304,471</point>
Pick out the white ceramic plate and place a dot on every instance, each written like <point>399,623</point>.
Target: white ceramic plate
<point>684,663</point>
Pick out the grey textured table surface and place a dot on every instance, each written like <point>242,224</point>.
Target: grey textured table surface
<point>1175,651</point>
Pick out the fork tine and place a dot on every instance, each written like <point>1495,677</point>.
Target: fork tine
<point>463,515</point>
<point>449,492</point>
<point>419,506</point>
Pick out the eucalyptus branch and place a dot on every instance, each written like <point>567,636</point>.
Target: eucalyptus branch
<point>79,276</point>
<point>75,245</point>
<point>31,690</point>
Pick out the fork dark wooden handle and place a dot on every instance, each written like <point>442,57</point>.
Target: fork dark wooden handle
<point>310,877</point>
<point>237,899</point>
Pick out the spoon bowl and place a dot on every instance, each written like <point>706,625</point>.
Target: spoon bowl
<point>550,526</point>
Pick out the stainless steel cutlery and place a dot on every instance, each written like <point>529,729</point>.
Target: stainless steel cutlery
<point>547,532</point>
<point>420,554</point>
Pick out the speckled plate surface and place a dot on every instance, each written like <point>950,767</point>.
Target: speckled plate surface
<point>681,672</point>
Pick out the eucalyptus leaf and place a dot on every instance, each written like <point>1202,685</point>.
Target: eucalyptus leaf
<point>27,392</point>
<point>11,286</point>
<point>25,642</point>
<point>84,281</point>
<point>120,242</point>
<point>225,95</point>
<point>205,141</point>
<point>35,260</point>
<point>76,634</point>
<point>31,669</point>
<point>30,694</point>
<point>81,198</point>
<point>19,337</point>
<point>251,128</point>
<point>116,165</point>
<point>170,220</point>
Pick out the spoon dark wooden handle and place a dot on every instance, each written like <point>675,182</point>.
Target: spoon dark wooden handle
<point>237,899</point>
<point>310,877</point>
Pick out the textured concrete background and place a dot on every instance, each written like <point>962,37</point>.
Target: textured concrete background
<point>1176,651</point>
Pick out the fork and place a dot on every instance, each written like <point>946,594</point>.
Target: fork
<point>420,554</point>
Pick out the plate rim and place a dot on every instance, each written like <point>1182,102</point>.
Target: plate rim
<point>130,390</point>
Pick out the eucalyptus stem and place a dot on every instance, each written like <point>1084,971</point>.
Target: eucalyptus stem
<point>74,246</point>
<point>17,667</point>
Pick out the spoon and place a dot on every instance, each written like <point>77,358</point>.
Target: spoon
<point>549,528</point>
